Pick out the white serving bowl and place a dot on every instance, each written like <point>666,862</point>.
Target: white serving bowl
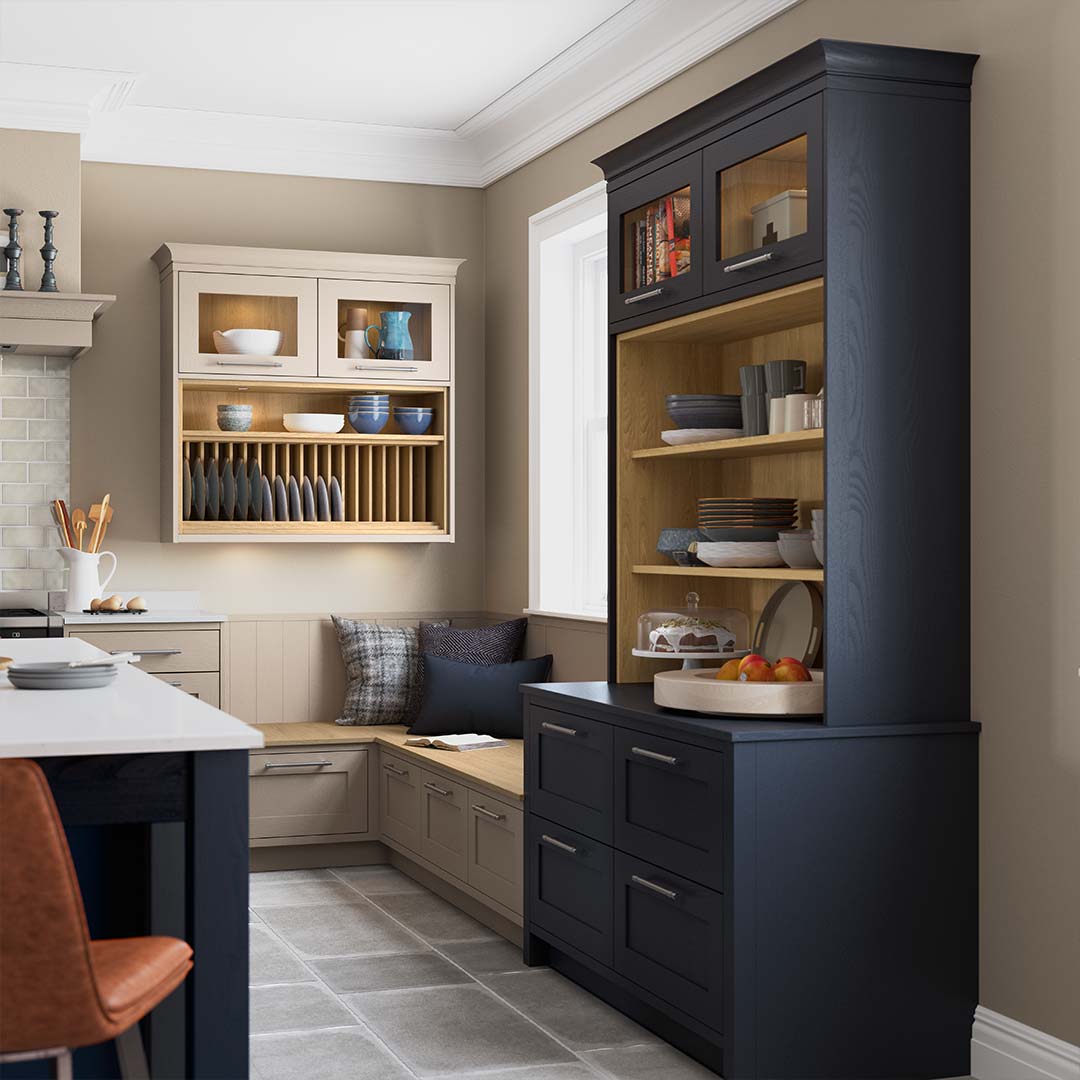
<point>314,423</point>
<point>248,342</point>
<point>687,436</point>
<point>797,551</point>
<point>738,553</point>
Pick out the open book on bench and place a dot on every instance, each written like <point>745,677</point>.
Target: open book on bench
<point>455,742</point>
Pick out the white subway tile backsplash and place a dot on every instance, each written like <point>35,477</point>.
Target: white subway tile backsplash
<point>22,579</point>
<point>17,364</point>
<point>49,429</point>
<point>34,408</point>
<point>49,387</point>
<point>13,472</point>
<point>12,450</point>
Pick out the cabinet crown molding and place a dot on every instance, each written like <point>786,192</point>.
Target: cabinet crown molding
<point>245,260</point>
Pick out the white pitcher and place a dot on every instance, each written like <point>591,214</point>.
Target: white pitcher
<point>84,584</point>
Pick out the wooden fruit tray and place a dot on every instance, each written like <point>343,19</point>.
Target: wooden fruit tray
<point>701,691</point>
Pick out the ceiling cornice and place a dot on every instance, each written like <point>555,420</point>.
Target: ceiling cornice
<point>642,46</point>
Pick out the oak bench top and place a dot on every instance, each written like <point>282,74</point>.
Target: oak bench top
<point>500,770</point>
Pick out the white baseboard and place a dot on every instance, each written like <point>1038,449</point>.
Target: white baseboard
<point>1004,1049</point>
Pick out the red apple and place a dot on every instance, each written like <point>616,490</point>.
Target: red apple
<point>749,659</point>
<point>788,669</point>
<point>758,670</point>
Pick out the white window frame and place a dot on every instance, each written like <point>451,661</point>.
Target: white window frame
<point>581,212</point>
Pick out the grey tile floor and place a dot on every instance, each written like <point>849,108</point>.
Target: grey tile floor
<point>363,974</point>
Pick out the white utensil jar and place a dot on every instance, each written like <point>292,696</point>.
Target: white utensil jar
<point>84,576</point>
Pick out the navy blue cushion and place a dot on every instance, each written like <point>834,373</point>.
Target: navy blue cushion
<point>460,699</point>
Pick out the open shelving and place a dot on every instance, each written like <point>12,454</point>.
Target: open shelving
<point>658,486</point>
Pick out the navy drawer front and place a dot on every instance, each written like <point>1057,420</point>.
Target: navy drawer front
<point>669,937</point>
<point>570,886</point>
<point>669,805</point>
<point>568,770</point>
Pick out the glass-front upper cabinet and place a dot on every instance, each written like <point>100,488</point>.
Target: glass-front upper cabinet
<point>763,212</point>
<point>654,239</point>
<point>246,324</point>
<point>374,331</point>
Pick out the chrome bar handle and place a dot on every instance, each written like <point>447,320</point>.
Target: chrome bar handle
<point>396,367</point>
<point>558,844</point>
<point>558,728</point>
<point>394,769</point>
<point>174,683</point>
<point>149,652</point>
<point>296,764</point>
<point>642,296</point>
<point>747,263</point>
<point>438,790</point>
<point>645,883</point>
<point>251,362</point>
<point>489,813</point>
<point>652,755</point>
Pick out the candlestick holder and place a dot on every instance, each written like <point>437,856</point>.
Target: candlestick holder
<point>48,252</point>
<point>13,253</point>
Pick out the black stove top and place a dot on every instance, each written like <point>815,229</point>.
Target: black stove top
<point>22,613</point>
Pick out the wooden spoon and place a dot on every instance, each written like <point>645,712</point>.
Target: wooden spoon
<point>100,515</point>
<point>78,523</point>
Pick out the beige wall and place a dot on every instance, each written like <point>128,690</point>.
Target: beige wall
<point>127,212</point>
<point>39,170</point>
<point>1026,378</point>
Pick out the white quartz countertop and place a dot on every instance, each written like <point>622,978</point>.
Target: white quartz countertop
<point>127,618</point>
<point>135,714</point>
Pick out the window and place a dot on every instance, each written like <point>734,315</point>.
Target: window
<point>568,407</point>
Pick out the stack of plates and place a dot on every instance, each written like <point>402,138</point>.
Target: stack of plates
<point>58,676</point>
<point>747,513</point>
<point>741,553</point>
<point>705,410</point>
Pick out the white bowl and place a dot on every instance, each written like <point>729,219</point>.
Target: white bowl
<point>248,342</point>
<point>819,549</point>
<point>687,436</point>
<point>314,423</point>
<point>797,552</point>
<point>738,553</point>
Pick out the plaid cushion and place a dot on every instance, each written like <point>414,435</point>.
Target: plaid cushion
<point>484,645</point>
<point>382,666</point>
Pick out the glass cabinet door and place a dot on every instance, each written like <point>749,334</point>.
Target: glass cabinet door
<point>379,331</point>
<point>763,213</point>
<point>244,324</point>
<point>654,239</point>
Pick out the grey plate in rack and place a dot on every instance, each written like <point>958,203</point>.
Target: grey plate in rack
<point>187,491</point>
<point>337,509</point>
<point>255,507</point>
<point>295,513</point>
<point>213,490</point>
<point>322,499</point>
<point>309,500</point>
<point>267,500</point>
<point>228,491</point>
<point>281,500</point>
<point>241,491</point>
<point>198,490</point>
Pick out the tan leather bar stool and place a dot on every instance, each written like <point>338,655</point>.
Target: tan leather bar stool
<point>58,989</point>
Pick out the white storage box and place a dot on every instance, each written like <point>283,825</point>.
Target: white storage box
<point>778,218</point>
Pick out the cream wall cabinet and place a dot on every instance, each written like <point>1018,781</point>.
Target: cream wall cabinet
<point>399,799</point>
<point>444,809</point>
<point>394,486</point>
<point>210,302</point>
<point>429,328</point>
<point>496,850</point>
<point>308,793</point>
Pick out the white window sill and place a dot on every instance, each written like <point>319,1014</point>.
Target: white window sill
<point>573,616</point>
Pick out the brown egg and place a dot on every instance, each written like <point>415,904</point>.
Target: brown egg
<point>136,603</point>
<point>114,603</point>
<point>95,605</point>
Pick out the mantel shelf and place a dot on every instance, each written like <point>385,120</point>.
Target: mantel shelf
<point>52,324</point>
<point>754,446</point>
<point>759,573</point>
<point>340,439</point>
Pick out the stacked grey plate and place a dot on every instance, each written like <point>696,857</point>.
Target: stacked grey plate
<point>59,676</point>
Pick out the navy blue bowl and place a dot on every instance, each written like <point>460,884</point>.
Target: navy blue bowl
<point>415,423</point>
<point>368,423</point>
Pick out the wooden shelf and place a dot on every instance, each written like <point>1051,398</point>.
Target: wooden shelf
<point>753,573</point>
<point>340,439</point>
<point>277,528</point>
<point>755,446</point>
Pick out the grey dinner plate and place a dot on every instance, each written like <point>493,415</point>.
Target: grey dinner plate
<point>228,491</point>
<point>322,499</point>
<point>213,490</point>
<point>267,500</point>
<point>309,499</point>
<point>295,513</point>
<point>337,509</point>
<point>59,677</point>
<point>281,500</point>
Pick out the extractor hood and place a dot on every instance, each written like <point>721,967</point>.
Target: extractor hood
<point>49,324</point>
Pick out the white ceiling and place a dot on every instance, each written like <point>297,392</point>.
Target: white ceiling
<point>429,91</point>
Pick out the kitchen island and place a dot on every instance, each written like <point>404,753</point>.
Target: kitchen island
<point>152,788</point>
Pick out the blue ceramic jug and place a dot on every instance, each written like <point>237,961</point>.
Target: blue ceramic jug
<point>394,341</point>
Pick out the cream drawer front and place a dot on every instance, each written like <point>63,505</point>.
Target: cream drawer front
<point>309,793</point>
<point>210,302</point>
<point>496,850</point>
<point>444,837</point>
<point>201,684</point>
<point>399,800</point>
<point>162,650</point>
